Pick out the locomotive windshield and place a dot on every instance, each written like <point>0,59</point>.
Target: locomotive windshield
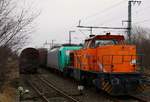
<point>100,42</point>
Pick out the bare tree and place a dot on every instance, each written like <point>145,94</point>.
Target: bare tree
<point>141,37</point>
<point>15,26</point>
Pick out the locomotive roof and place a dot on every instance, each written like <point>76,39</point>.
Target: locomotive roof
<point>70,44</point>
<point>117,37</point>
<point>65,45</point>
<point>29,52</point>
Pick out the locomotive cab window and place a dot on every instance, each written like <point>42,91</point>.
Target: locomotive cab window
<point>86,44</point>
<point>100,42</point>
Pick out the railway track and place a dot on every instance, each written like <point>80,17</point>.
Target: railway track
<point>143,97</point>
<point>38,92</point>
<point>47,83</point>
<point>140,98</point>
<point>129,98</point>
<point>70,97</point>
<point>137,98</point>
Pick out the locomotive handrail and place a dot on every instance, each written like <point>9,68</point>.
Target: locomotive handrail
<point>123,59</point>
<point>112,56</point>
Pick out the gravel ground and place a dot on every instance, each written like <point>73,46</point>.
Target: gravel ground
<point>70,87</point>
<point>89,94</point>
<point>145,95</point>
<point>50,93</point>
<point>32,95</point>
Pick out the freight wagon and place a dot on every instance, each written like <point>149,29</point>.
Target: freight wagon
<point>29,61</point>
<point>42,57</point>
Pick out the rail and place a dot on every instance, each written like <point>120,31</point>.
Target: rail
<point>139,98</point>
<point>56,89</point>
<point>38,92</point>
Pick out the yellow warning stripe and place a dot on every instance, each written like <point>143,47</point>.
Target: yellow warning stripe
<point>108,88</point>
<point>105,85</point>
<point>140,88</point>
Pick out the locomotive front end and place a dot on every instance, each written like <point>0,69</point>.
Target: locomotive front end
<point>120,65</point>
<point>110,64</point>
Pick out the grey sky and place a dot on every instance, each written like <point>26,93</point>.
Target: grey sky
<point>60,16</point>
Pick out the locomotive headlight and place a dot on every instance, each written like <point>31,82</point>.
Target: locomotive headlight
<point>133,61</point>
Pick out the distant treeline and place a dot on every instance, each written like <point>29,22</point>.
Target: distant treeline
<point>141,37</point>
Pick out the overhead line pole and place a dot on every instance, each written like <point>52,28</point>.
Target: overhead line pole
<point>130,16</point>
<point>71,31</point>
<point>50,44</point>
<point>129,19</point>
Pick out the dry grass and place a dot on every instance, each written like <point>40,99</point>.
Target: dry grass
<point>8,95</point>
<point>13,70</point>
<point>147,71</point>
<point>9,92</point>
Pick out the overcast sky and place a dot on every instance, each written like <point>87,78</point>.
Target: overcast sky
<point>59,16</point>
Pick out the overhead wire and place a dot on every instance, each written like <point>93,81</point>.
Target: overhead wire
<point>103,11</point>
<point>108,21</point>
<point>82,32</point>
<point>107,9</point>
<point>135,13</point>
<point>146,20</point>
<point>142,11</point>
<point>105,20</point>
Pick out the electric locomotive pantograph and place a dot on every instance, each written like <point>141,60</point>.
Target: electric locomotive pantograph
<point>108,63</point>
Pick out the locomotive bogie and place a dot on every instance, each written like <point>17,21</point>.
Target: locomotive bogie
<point>120,83</point>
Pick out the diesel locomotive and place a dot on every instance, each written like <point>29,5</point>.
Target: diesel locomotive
<point>108,63</point>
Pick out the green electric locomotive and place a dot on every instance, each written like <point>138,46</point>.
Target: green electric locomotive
<point>59,57</point>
